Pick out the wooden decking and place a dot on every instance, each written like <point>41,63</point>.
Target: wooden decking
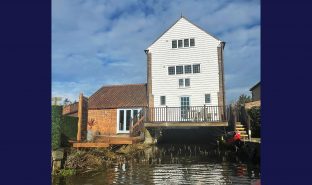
<point>104,141</point>
<point>252,140</point>
<point>186,124</point>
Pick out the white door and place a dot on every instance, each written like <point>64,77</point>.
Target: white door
<point>125,119</point>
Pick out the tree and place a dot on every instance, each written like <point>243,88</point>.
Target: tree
<point>242,99</point>
<point>67,101</point>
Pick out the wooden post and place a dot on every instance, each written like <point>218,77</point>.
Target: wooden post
<point>79,117</point>
<point>248,126</point>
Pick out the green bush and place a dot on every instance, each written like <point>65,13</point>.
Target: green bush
<point>255,121</point>
<point>56,126</point>
<point>69,130</point>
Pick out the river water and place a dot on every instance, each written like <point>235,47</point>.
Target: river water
<point>174,164</point>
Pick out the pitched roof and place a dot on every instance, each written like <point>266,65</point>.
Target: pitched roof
<point>117,96</point>
<point>252,88</point>
<point>189,22</point>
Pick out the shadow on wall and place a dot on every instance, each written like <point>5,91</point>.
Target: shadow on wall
<point>187,136</point>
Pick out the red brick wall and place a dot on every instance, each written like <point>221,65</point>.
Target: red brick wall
<point>105,121</point>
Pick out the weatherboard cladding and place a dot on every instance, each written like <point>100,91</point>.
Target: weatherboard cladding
<point>119,96</point>
<point>204,53</point>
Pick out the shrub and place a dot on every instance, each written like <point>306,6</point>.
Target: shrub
<point>255,121</point>
<point>56,126</point>
<point>69,130</point>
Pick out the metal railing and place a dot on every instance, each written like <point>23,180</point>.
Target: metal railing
<point>185,114</point>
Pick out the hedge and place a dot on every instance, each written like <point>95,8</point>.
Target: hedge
<point>56,126</point>
<point>255,121</point>
<point>69,129</point>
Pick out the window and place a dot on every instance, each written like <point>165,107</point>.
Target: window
<point>207,98</point>
<point>179,69</point>
<point>184,82</point>
<point>188,69</point>
<point>192,42</point>
<point>162,100</point>
<point>181,83</point>
<point>171,70</point>
<point>183,43</point>
<point>174,44</point>
<point>187,82</point>
<point>186,42</point>
<point>196,68</point>
<point>180,44</point>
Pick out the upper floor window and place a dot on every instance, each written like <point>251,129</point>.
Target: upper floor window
<point>192,42</point>
<point>181,83</point>
<point>180,43</point>
<point>174,44</point>
<point>186,42</point>
<point>171,70</point>
<point>184,82</point>
<point>188,69</point>
<point>187,82</point>
<point>183,43</point>
<point>162,100</point>
<point>196,68</point>
<point>179,69</point>
<point>207,98</point>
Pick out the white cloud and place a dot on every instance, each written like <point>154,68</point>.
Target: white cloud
<point>101,42</point>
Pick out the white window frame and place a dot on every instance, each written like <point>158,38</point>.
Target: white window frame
<point>176,44</point>
<point>177,70</point>
<point>161,102</point>
<point>131,124</point>
<point>194,42</point>
<point>183,87</point>
<point>193,68</point>
<point>209,98</point>
<point>174,70</point>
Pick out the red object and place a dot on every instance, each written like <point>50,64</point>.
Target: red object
<point>235,137</point>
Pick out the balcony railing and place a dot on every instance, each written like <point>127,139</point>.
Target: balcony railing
<point>185,114</point>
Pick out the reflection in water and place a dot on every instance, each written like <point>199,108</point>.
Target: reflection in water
<point>174,164</point>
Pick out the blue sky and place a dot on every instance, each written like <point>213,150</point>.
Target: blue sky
<point>97,42</point>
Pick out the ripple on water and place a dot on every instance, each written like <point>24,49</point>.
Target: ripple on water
<point>176,166</point>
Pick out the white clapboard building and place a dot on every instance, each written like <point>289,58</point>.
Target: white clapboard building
<point>185,74</point>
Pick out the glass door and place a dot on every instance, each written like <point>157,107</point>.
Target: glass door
<point>185,106</point>
<point>126,118</point>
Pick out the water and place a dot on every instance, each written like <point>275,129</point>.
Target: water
<point>174,164</point>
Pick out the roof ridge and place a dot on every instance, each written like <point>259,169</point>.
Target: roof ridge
<point>114,85</point>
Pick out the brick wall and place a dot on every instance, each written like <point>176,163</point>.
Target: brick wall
<point>105,121</point>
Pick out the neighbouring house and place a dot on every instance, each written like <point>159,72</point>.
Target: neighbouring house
<point>255,92</point>
<point>185,83</point>
<point>255,97</point>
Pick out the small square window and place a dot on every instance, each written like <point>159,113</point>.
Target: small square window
<point>187,82</point>
<point>188,69</point>
<point>207,98</point>
<point>186,42</point>
<point>179,69</point>
<point>171,70</point>
<point>174,44</point>
<point>162,100</point>
<point>180,43</point>
<point>181,83</point>
<point>192,42</point>
<point>196,68</point>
